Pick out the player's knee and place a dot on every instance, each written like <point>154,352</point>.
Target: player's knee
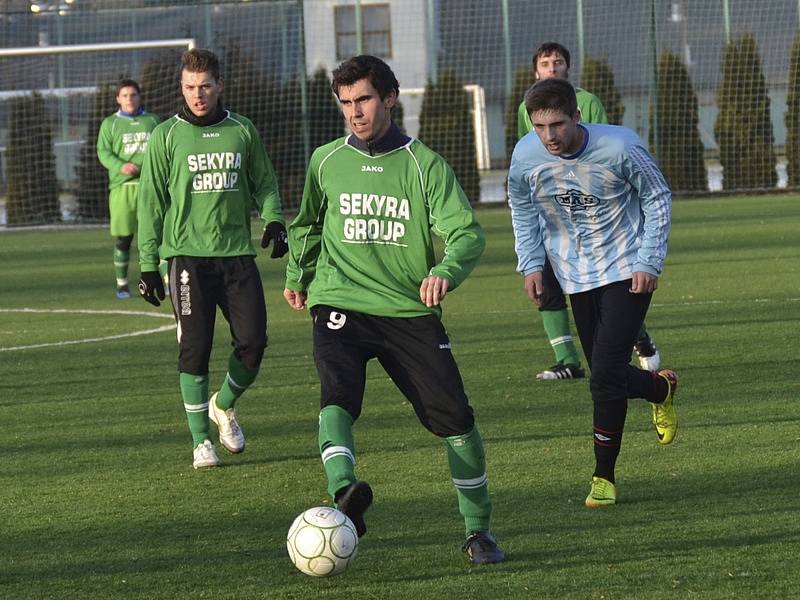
<point>124,243</point>
<point>250,350</point>
<point>607,382</point>
<point>550,300</point>
<point>459,423</point>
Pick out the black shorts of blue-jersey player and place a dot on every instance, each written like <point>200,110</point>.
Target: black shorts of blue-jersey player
<point>608,319</point>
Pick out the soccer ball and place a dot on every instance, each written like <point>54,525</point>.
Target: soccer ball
<point>322,541</point>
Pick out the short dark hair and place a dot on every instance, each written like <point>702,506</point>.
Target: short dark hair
<point>551,94</point>
<point>549,48</point>
<point>123,83</point>
<point>200,60</point>
<point>354,69</point>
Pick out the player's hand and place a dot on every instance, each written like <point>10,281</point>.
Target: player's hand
<point>297,300</point>
<point>275,232</point>
<point>130,169</point>
<point>151,287</point>
<point>534,287</point>
<point>643,283</point>
<point>433,289</point>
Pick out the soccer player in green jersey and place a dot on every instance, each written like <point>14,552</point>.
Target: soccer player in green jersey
<point>551,59</point>
<point>205,172</point>
<point>362,258</point>
<point>121,145</point>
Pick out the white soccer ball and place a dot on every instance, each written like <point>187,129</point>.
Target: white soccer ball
<point>322,541</point>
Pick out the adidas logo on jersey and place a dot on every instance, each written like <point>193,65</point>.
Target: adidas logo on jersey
<point>371,169</point>
<point>571,175</point>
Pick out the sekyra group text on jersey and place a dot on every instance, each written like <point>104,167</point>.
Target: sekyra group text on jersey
<point>385,224</point>
<point>222,179</point>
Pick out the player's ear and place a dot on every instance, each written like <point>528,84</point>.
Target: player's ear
<point>390,100</point>
<point>219,84</point>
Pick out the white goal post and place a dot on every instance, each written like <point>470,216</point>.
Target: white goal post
<point>187,43</point>
<point>57,85</point>
<point>478,109</point>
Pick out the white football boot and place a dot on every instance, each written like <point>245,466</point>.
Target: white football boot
<point>231,435</point>
<point>205,456</point>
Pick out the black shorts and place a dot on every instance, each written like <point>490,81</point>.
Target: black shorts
<point>197,287</point>
<point>552,297</point>
<point>415,352</point>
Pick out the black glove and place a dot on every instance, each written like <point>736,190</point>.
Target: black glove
<point>275,231</point>
<point>151,287</point>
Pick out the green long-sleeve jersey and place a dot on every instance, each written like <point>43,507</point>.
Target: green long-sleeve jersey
<point>123,139</point>
<point>592,111</point>
<point>362,240</point>
<point>198,187</point>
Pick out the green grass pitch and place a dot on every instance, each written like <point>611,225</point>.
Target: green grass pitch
<point>99,499</point>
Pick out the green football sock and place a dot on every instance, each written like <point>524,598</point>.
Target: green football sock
<point>194,390</point>
<point>121,260</point>
<point>556,326</point>
<point>337,447</point>
<point>468,470</point>
<point>237,380</point>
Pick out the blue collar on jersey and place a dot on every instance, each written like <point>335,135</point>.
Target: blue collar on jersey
<point>391,140</point>
<point>139,112</point>
<point>583,146</point>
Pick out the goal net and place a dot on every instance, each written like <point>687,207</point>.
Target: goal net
<point>711,86</point>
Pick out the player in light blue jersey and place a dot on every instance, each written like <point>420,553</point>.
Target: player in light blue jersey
<point>591,199</point>
<point>552,60</point>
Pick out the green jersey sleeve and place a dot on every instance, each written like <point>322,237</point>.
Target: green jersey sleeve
<point>524,124</point>
<point>305,231</point>
<point>105,147</point>
<point>154,199</point>
<point>453,220</point>
<point>263,181</point>
<point>592,110</point>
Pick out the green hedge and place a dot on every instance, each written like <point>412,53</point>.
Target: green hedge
<point>743,129</point>
<point>31,165</point>
<point>445,125</point>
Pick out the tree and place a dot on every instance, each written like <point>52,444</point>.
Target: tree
<point>677,144</point>
<point>793,116</point>
<point>445,125</point>
<point>325,119</point>
<point>31,165</point>
<point>522,81</point>
<point>398,114</point>
<point>92,194</point>
<point>160,84</point>
<point>743,128</point>
<point>597,78</point>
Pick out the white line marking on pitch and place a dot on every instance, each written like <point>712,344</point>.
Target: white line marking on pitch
<point>90,312</point>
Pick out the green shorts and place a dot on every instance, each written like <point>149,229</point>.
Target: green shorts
<point>122,206</point>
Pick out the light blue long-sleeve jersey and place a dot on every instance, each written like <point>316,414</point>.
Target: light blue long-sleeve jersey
<point>600,215</point>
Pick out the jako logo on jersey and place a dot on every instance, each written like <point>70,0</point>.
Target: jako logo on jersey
<point>575,200</point>
<point>210,134</point>
<point>371,169</point>
<point>185,294</point>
